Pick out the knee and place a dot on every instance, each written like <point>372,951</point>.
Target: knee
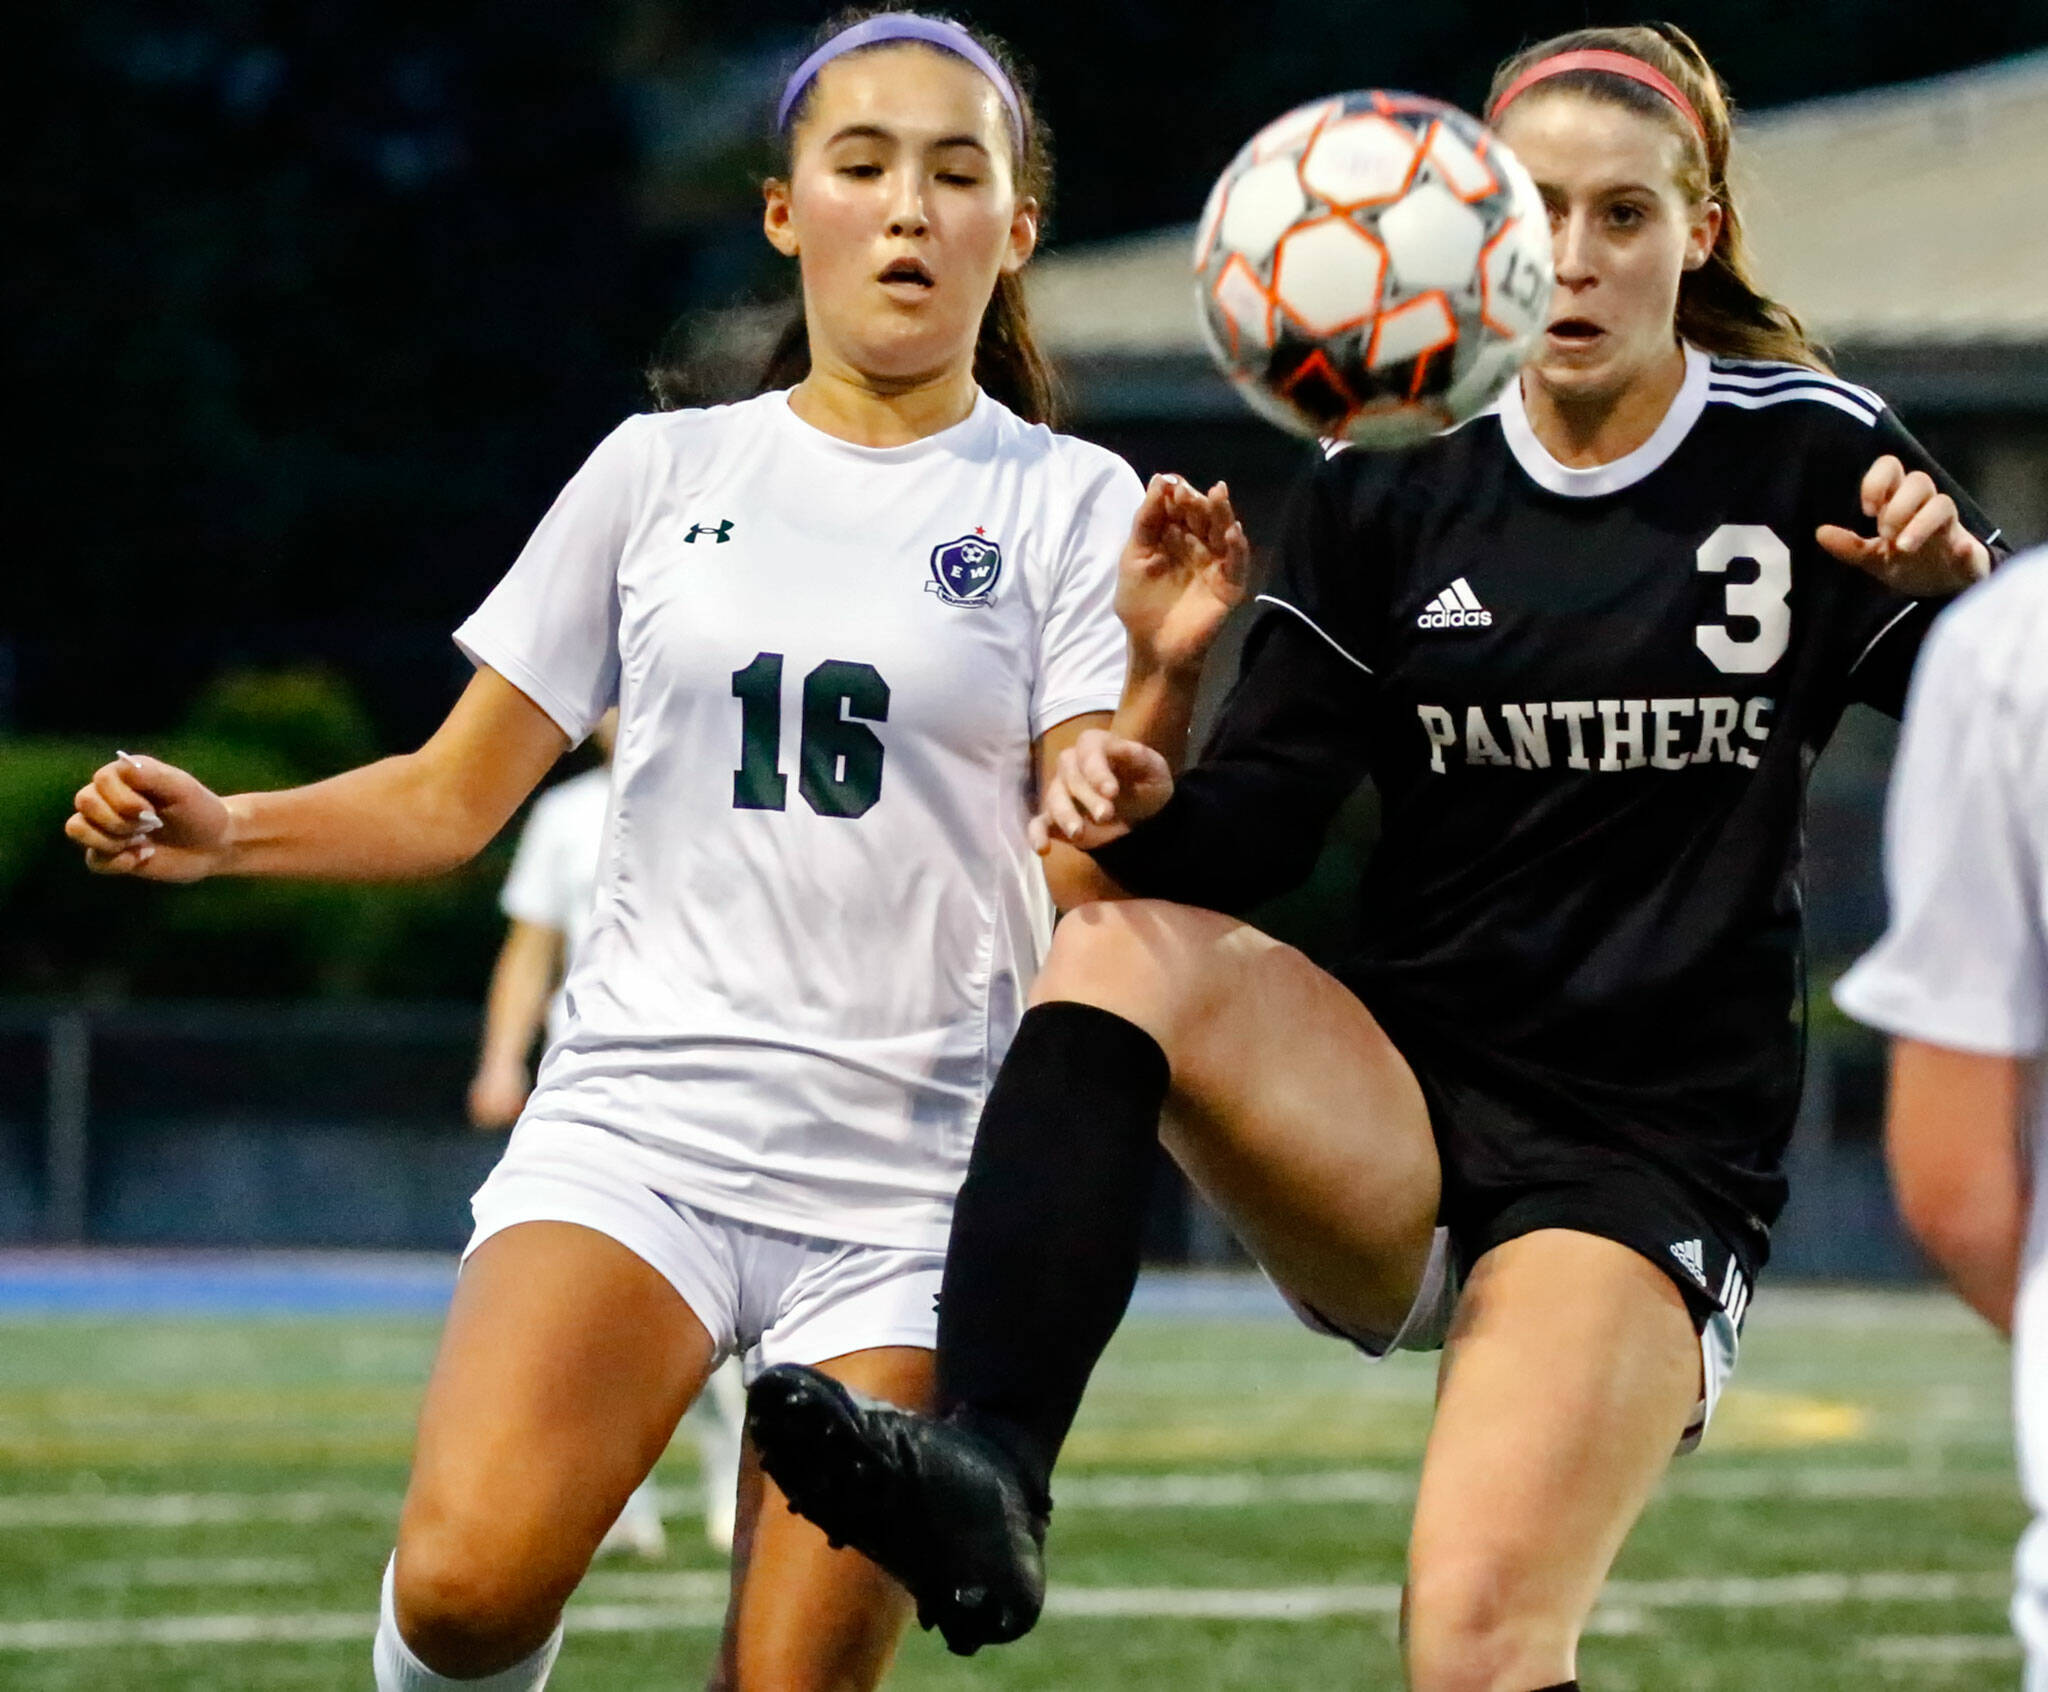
<point>1139,957</point>
<point>465,1608</point>
<point>1470,1627</point>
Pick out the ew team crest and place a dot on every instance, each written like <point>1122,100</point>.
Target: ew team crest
<point>965,571</point>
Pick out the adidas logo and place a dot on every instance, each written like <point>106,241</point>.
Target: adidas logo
<point>1689,1253</point>
<point>1457,607</point>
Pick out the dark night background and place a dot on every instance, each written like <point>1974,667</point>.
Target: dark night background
<point>311,308</point>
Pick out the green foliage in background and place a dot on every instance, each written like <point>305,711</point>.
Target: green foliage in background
<point>63,931</point>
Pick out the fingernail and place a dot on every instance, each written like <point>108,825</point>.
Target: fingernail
<point>125,757</point>
<point>144,853</point>
<point>149,821</point>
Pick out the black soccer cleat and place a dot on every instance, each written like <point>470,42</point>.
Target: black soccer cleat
<point>936,1506</point>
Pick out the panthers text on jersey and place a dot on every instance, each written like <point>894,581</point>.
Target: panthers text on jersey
<point>817,907</point>
<point>1589,699</point>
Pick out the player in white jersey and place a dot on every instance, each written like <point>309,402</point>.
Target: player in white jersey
<point>849,626</point>
<point>547,899</point>
<point>1960,980</point>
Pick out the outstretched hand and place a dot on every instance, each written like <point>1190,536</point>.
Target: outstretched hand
<point>1182,573</point>
<point>1101,788</point>
<point>145,818</point>
<point>1921,546</point>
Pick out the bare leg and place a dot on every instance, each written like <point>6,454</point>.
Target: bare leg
<point>1289,1107</point>
<point>565,1365</point>
<point>806,1618</point>
<point>1570,1372</point>
<point>1285,1101</point>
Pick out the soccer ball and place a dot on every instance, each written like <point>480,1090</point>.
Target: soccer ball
<point>1372,267</point>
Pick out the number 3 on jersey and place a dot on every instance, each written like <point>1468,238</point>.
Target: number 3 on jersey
<point>1763,601</point>
<point>839,761</point>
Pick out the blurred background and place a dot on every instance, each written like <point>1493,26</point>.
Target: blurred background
<point>309,310</point>
<point>312,308</point>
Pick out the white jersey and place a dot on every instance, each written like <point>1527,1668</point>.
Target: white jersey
<point>1964,963</point>
<point>553,880</point>
<point>817,909</point>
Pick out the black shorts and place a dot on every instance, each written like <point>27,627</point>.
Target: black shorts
<point>1511,1169</point>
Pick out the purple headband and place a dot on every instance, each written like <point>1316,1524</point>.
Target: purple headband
<point>903,26</point>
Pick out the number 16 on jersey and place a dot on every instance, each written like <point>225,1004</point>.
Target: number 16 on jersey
<point>839,758</point>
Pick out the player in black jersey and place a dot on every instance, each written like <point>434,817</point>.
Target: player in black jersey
<point>1587,647</point>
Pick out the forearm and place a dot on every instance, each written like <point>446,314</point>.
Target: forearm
<point>522,982</point>
<point>1158,709</point>
<point>388,821</point>
<point>1246,823</point>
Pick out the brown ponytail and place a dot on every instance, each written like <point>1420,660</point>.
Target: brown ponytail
<point>1720,307</point>
<point>1008,362</point>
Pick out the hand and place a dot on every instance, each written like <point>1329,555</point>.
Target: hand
<point>1182,573</point>
<point>1921,547</point>
<point>145,818</point>
<point>497,1095</point>
<point>1102,787</point>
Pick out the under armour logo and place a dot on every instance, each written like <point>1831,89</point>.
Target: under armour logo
<point>720,532</point>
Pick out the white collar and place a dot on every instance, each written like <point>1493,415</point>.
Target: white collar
<point>1623,472</point>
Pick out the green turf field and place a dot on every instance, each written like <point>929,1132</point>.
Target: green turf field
<point>207,1504</point>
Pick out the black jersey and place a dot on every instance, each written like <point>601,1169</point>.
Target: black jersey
<point>1589,700</point>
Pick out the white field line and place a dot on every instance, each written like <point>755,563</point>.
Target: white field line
<point>191,1509</point>
<point>1916,1649</point>
<point>198,1571</point>
<point>1230,1490</point>
<point>1205,1490</point>
<point>1625,1603</point>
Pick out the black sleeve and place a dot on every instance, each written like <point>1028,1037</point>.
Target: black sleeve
<point>1246,822</point>
<point>1883,630</point>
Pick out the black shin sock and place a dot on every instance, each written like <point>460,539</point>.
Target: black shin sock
<point>1046,1234</point>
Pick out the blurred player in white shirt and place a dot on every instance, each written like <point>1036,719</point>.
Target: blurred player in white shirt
<point>1960,980</point>
<point>547,899</point>
<point>850,626</point>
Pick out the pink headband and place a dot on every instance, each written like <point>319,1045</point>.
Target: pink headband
<point>1600,59</point>
<point>903,26</point>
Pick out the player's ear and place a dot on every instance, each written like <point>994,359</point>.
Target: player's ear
<point>1023,236</point>
<point>775,216</point>
<point>1705,231</point>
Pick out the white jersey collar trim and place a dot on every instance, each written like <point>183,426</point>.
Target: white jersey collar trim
<point>957,440</point>
<point>1623,472</point>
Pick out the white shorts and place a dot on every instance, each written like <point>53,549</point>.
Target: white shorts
<point>1428,1321</point>
<point>763,1295</point>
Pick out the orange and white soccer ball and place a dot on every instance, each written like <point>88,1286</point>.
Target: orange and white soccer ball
<point>1373,267</point>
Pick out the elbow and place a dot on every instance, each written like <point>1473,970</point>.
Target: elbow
<point>1957,1229</point>
<point>449,822</point>
<point>1929,1206</point>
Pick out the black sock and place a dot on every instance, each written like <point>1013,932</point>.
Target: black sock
<point>1046,1234</point>
<point>1561,1686</point>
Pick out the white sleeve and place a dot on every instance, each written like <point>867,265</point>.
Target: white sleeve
<point>533,889</point>
<point>1080,642</point>
<point>551,627</point>
<point>1964,963</point>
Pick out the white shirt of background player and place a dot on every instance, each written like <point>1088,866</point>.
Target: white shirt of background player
<point>1960,980</point>
<point>547,898</point>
